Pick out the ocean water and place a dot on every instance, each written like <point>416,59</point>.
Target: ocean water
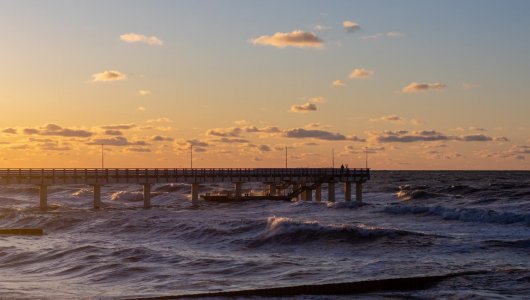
<point>412,224</point>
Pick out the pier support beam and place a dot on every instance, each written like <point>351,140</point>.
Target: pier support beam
<point>238,189</point>
<point>147,195</point>
<point>318,193</point>
<point>272,189</point>
<point>308,194</point>
<point>97,196</point>
<point>331,191</point>
<point>359,192</point>
<point>347,191</point>
<point>43,192</point>
<point>194,192</point>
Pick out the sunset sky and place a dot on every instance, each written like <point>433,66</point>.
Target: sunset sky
<point>421,84</point>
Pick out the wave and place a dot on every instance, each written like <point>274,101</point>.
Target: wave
<point>280,230</point>
<point>408,192</point>
<point>522,243</point>
<point>461,214</point>
<point>127,196</point>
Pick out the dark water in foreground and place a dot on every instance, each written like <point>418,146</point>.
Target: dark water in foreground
<point>436,223</point>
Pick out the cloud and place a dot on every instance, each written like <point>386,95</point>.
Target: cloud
<point>225,132</point>
<point>338,83</point>
<point>119,126</point>
<point>10,130</point>
<point>389,118</point>
<point>232,140</point>
<point>415,87</point>
<point>117,141</point>
<point>53,146</point>
<point>160,120</point>
<point>264,148</point>
<point>296,38</point>
<point>197,143</point>
<point>56,130</point>
<point>306,107</point>
<point>350,26</point>
<point>140,38</point>
<point>361,73</point>
<point>159,138</point>
<point>139,149</point>
<point>376,36</point>
<point>140,108</point>
<point>318,100</point>
<point>320,27</point>
<point>108,76</point>
<point>113,132</point>
<point>404,136</point>
<point>301,133</point>
<point>144,92</point>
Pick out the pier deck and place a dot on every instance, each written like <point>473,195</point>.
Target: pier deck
<point>307,179</point>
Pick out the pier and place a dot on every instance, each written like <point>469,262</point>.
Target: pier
<point>297,182</point>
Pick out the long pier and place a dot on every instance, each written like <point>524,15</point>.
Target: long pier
<point>307,181</point>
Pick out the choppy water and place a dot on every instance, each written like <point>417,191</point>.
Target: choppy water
<point>413,223</point>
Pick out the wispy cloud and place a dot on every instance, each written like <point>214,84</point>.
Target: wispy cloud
<point>56,130</point>
<point>361,73</point>
<point>296,38</point>
<point>303,108</point>
<point>350,26</point>
<point>119,126</point>
<point>144,92</point>
<point>415,87</point>
<point>108,76</point>
<point>140,38</point>
<point>117,141</point>
<point>380,35</point>
<point>389,118</point>
<point>338,83</point>
<point>301,133</point>
<point>404,136</point>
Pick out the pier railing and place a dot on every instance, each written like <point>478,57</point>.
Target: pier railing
<point>117,175</point>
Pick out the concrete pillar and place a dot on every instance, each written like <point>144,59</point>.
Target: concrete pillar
<point>359,192</point>
<point>303,195</point>
<point>309,194</point>
<point>318,193</point>
<point>238,189</point>
<point>147,195</point>
<point>43,191</point>
<point>97,196</point>
<point>347,191</point>
<point>331,191</point>
<point>194,192</point>
<point>272,189</point>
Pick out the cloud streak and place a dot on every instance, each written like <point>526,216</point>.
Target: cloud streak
<point>140,38</point>
<point>303,108</point>
<point>108,76</point>
<point>361,73</point>
<point>416,87</point>
<point>296,38</point>
<point>350,26</point>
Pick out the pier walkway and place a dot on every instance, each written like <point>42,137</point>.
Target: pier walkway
<point>308,180</point>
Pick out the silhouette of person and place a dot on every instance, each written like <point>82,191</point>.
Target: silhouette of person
<point>342,168</point>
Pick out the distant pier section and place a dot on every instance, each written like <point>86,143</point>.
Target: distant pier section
<point>298,183</point>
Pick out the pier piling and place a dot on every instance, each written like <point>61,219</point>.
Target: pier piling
<point>347,191</point>
<point>331,191</point>
<point>318,193</point>
<point>97,196</point>
<point>359,192</point>
<point>194,192</point>
<point>238,189</point>
<point>43,192</point>
<point>147,195</point>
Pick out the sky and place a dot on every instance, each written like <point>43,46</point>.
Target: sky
<point>414,84</point>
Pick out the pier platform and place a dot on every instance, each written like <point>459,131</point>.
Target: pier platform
<point>302,182</point>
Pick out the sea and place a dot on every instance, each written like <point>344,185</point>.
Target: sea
<point>472,224</point>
